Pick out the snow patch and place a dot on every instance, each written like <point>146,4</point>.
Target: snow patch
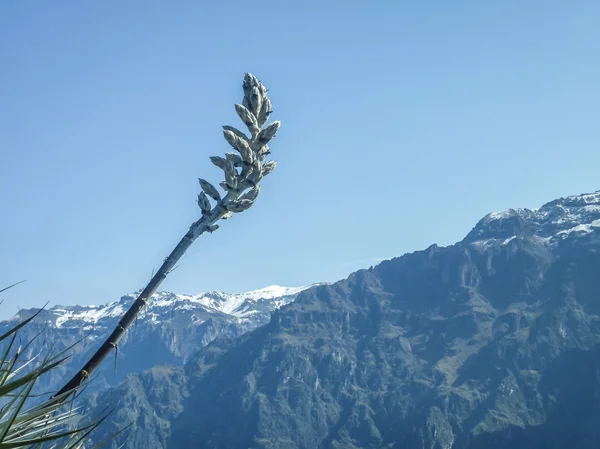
<point>582,228</point>
<point>239,305</point>
<point>570,217</point>
<point>508,240</point>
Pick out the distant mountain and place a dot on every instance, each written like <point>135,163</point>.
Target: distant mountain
<point>559,220</point>
<point>493,342</point>
<point>171,329</point>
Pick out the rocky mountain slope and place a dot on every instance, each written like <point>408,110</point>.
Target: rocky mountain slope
<point>170,330</point>
<point>489,343</point>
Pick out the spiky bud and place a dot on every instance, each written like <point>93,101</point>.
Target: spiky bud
<point>239,205</point>
<point>249,82</point>
<point>241,145</point>
<point>231,138</point>
<point>246,152</point>
<point>204,203</point>
<point>265,112</point>
<point>244,168</point>
<point>248,118</point>
<point>234,158</point>
<point>268,167</point>
<point>262,151</point>
<point>231,179</point>
<point>251,194</point>
<point>230,168</point>
<point>256,100</point>
<point>236,142</point>
<point>267,133</point>
<point>236,131</point>
<point>257,166</point>
<point>219,162</point>
<point>254,178</point>
<point>209,189</point>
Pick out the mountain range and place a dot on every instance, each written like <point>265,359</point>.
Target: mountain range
<point>171,329</point>
<point>492,342</point>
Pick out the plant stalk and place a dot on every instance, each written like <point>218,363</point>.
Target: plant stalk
<point>127,319</point>
<point>254,112</point>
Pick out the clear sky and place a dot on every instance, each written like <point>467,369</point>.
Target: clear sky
<point>403,123</point>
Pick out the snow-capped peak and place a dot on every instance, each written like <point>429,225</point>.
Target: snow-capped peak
<point>273,291</point>
<point>573,216</point>
<point>238,305</point>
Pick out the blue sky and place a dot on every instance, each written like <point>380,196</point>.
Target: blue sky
<point>403,123</point>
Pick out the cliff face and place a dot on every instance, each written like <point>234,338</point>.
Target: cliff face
<point>489,343</point>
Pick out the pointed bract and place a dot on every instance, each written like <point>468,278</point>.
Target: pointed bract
<point>234,158</point>
<point>231,180</point>
<point>265,112</point>
<point>263,152</point>
<point>219,162</point>
<point>246,152</point>
<point>263,90</point>
<point>246,102</point>
<point>230,168</point>
<point>268,167</point>
<point>257,165</point>
<point>237,132</point>
<point>249,83</point>
<point>204,203</point>
<point>256,100</point>
<point>255,177</point>
<point>231,138</point>
<point>246,171</point>
<point>209,189</point>
<point>239,205</point>
<point>240,145</point>
<point>268,133</point>
<point>225,187</point>
<point>251,194</point>
<point>248,118</point>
